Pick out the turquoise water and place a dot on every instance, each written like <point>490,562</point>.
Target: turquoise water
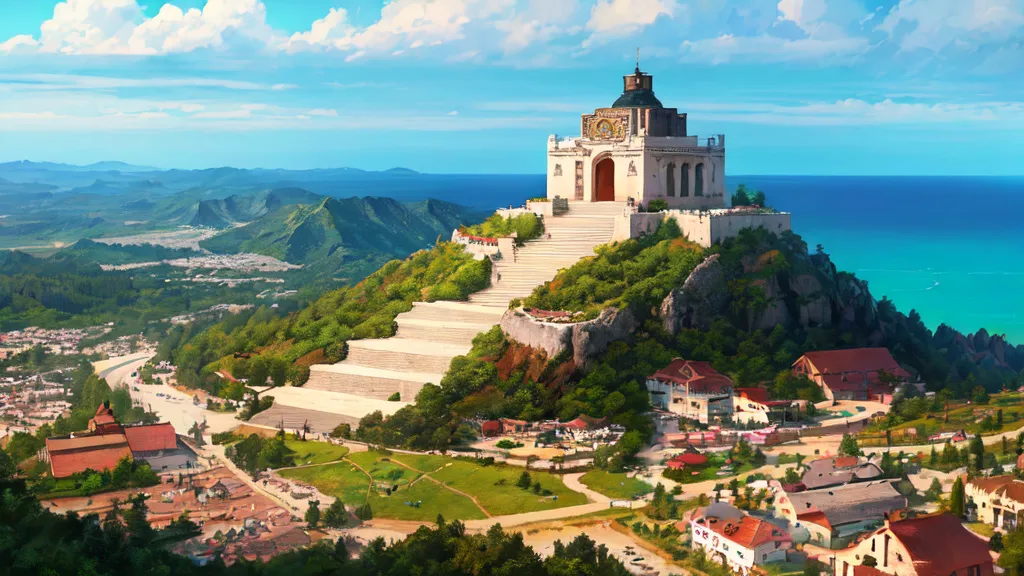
<point>951,248</point>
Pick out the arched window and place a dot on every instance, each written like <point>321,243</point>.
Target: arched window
<point>698,180</point>
<point>684,181</point>
<point>670,179</point>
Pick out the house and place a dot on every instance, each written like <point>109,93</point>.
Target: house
<point>490,428</point>
<point>996,500</point>
<point>932,545</point>
<point>831,515</point>
<point>853,373</point>
<point>228,487</point>
<point>826,472</point>
<point>693,390</point>
<point>107,442</point>
<point>752,406</point>
<point>732,537</point>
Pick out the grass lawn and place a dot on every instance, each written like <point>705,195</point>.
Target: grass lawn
<point>495,488</point>
<point>422,462</point>
<point>981,528</point>
<point>615,485</point>
<point>967,417</point>
<point>341,480</point>
<point>382,469</point>
<point>310,452</point>
<point>434,499</point>
<point>710,470</point>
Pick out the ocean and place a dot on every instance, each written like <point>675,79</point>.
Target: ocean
<point>951,248</point>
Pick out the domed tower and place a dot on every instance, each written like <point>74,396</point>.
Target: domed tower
<point>639,150</point>
<point>637,91</point>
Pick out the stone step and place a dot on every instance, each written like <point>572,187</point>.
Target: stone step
<point>403,354</point>
<point>368,382</point>
<point>440,330</point>
<point>334,402</point>
<point>451,311</point>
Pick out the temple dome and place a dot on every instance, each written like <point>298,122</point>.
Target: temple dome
<point>637,92</point>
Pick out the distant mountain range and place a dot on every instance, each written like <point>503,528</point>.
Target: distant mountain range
<point>350,237</point>
<point>118,178</point>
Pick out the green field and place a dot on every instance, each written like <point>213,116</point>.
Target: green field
<point>501,498</point>
<point>383,471</point>
<point>434,499</point>
<point>341,480</point>
<point>615,485</point>
<point>422,462</point>
<point>494,487</point>
<point>310,452</point>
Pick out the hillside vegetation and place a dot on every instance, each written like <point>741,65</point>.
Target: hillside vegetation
<point>776,301</point>
<point>525,226</point>
<point>637,273</point>
<point>318,333</point>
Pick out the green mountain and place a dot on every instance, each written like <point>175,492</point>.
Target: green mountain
<point>239,208</point>
<point>355,235</point>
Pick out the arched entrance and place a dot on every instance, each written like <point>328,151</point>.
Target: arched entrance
<point>604,180</point>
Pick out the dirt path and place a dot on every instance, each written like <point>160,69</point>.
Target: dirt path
<point>426,475</point>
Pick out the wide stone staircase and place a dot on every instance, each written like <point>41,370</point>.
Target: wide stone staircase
<point>433,333</point>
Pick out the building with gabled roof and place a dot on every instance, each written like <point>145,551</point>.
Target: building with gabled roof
<point>852,373</point>
<point>732,537</point>
<point>932,545</point>
<point>839,512</point>
<point>825,472</point>
<point>753,406</point>
<point>693,390</point>
<point>107,442</point>
<point>996,500</point>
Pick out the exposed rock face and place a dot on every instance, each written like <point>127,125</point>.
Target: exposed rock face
<point>592,337</point>
<point>699,301</point>
<point>584,340</point>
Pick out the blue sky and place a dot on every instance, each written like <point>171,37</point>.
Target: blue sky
<point>798,86</point>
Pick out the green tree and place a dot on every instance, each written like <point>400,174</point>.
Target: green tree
<point>956,499</point>
<point>524,480</point>
<point>7,466</point>
<point>335,516</point>
<point>848,446</point>
<point>312,517</point>
<point>996,542</point>
<point>1011,559</point>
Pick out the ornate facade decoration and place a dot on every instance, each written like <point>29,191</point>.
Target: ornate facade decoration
<point>558,170</point>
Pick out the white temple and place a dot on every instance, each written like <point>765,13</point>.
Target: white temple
<point>638,149</point>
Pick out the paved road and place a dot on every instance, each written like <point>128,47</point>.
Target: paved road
<point>176,407</point>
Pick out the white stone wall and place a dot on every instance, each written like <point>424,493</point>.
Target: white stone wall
<point>706,228</point>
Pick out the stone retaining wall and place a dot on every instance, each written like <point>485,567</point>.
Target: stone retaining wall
<point>584,340</point>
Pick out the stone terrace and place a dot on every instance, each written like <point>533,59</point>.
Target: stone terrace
<point>433,333</point>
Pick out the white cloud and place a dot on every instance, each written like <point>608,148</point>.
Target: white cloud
<point>119,27</point>
<point>617,18</point>
<point>801,12</point>
<point>322,112</point>
<point>853,111</point>
<point>18,43</point>
<point>728,48</point>
<point>936,24</point>
<point>45,82</point>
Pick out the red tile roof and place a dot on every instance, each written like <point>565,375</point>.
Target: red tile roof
<point>152,437</point>
<point>64,464</point>
<point>855,360</point>
<point>700,377</point>
<point>939,545</point>
<point>748,531</point>
<point>687,459</point>
<point>759,395</point>
<point>84,442</point>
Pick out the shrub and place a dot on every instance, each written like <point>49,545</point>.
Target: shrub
<point>342,430</point>
<point>364,512</point>
<point>396,397</point>
<point>507,444</point>
<point>657,205</point>
<point>223,437</point>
